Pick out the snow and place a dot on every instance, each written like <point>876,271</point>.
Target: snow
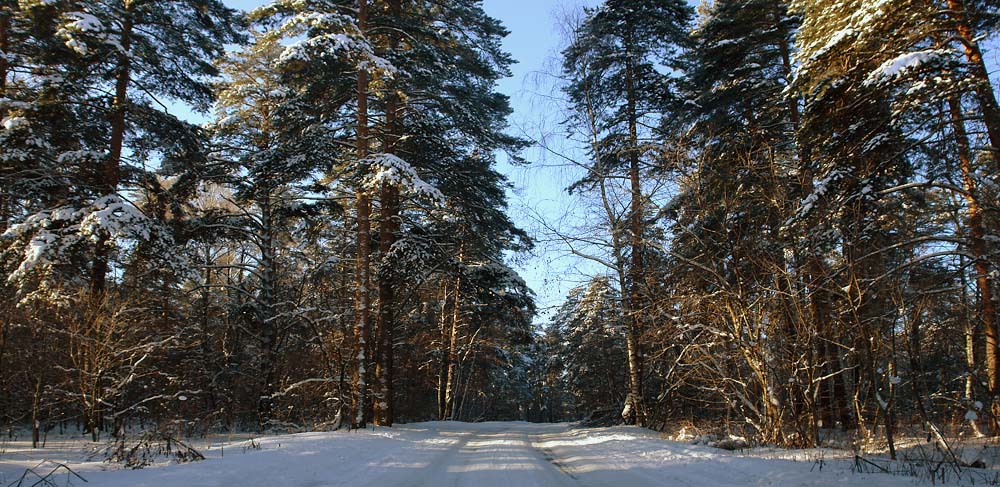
<point>79,22</point>
<point>835,40</point>
<point>905,63</point>
<point>83,22</point>
<point>330,35</point>
<point>391,169</point>
<point>451,453</point>
<point>14,123</point>
<point>107,216</point>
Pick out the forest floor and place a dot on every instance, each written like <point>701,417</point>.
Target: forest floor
<point>507,454</point>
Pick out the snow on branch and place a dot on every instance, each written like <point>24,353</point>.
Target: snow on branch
<point>79,23</point>
<point>329,34</point>
<point>907,63</point>
<point>51,237</point>
<point>392,170</point>
<point>117,217</point>
<point>14,122</point>
<point>297,385</point>
<point>82,29</point>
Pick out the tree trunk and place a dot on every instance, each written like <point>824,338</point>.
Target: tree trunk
<point>207,364</point>
<point>109,173</point>
<point>451,386</point>
<point>388,235</point>
<point>970,373</point>
<point>819,303</point>
<point>636,400</point>
<point>362,306</point>
<point>987,311</point>
<point>5,47</point>
<point>35,410</point>
<point>266,317</point>
<point>386,324</point>
<point>445,330</point>
<point>984,89</point>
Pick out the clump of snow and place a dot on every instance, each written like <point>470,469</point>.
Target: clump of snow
<point>906,63</point>
<point>835,40</point>
<point>684,435</point>
<point>83,22</point>
<point>326,34</point>
<point>48,238</point>
<point>14,122</point>
<point>727,442</point>
<point>117,217</point>
<point>79,23</point>
<point>391,169</point>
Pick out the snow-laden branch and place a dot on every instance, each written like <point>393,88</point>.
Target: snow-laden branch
<point>907,63</point>
<point>392,170</point>
<point>328,35</point>
<point>298,384</point>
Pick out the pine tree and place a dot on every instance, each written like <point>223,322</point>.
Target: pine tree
<point>142,56</point>
<point>591,347</point>
<point>614,70</point>
<point>442,119</point>
<point>269,164</point>
<point>737,191</point>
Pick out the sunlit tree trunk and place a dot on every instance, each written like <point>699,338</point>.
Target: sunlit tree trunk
<point>636,400</point>
<point>987,311</point>
<point>388,235</point>
<point>362,328</point>
<point>451,384</point>
<point>983,88</point>
<point>109,173</point>
<point>444,328</point>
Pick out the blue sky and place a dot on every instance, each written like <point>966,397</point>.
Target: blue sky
<point>538,191</point>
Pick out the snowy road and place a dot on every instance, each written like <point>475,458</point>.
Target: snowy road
<point>492,454</point>
<point>462,454</point>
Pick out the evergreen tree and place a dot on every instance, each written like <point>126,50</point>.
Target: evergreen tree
<point>591,330</point>
<point>738,189</point>
<point>616,65</point>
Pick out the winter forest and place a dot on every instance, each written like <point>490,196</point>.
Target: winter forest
<point>790,212</point>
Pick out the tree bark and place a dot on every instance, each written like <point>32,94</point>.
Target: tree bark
<point>388,236</point>
<point>207,363</point>
<point>109,173</point>
<point>4,68</point>
<point>445,330</point>
<point>633,344</point>
<point>266,324</point>
<point>819,306</point>
<point>451,386</point>
<point>5,47</point>
<point>984,89</point>
<point>987,311</point>
<point>362,329</point>
<point>386,324</point>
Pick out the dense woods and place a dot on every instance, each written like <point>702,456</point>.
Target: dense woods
<point>796,202</point>
<point>789,206</point>
<point>328,248</point>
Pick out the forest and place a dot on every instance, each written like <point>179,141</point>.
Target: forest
<point>788,205</point>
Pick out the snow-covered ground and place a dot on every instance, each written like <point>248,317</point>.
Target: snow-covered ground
<point>507,454</point>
